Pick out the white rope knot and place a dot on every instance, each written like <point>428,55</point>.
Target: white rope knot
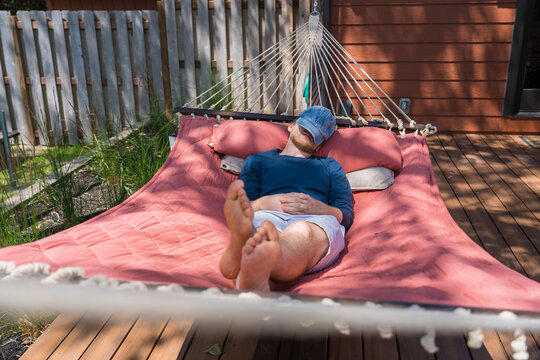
<point>475,338</point>
<point>174,288</point>
<point>402,133</point>
<point>27,270</point>
<point>428,341</point>
<point>519,346</point>
<point>6,267</point>
<point>192,115</point>
<point>400,124</point>
<point>133,286</point>
<point>101,281</point>
<point>65,275</point>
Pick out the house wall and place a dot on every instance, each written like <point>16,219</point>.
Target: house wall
<point>450,57</point>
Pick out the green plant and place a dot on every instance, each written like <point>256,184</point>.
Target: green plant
<point>29,324</point>
<point>61,193</point>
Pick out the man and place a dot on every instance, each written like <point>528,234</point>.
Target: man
<point>289,210</point>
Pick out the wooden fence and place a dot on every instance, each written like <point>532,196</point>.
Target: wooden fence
<point>70,75</point>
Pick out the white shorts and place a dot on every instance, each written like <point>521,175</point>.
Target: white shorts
<point>334,230</point>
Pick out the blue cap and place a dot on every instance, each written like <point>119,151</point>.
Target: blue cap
<point>319,121</point>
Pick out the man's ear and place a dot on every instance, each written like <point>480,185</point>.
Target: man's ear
<point>290,126</point>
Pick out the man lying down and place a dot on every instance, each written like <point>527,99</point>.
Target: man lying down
<point>289,210</point>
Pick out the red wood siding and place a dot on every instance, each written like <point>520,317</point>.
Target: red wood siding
<point>450,57</point>
<point>101,4</point>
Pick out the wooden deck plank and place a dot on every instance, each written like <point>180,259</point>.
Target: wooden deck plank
<point>109,338</point>
<point>533,153</point>
<point>532,346</point>
<point>310,347</point>
<point>142,338</point>
<point>522,248</point>
<point>376,347</point>
<point>521,151</point>
<point>268,347</point>
<point>454,206</point>
<point>492,348</point>
<point>80,337</point>
<point>241,343</point>
<point>410,348</point>
<point>205,337</point>
<point>341,346</point>
<point>174,336</point>
<point>47,343</point>
<point>491,238</point>
<point>505,157</point>
<point>515,198</point>
<point>452,347</point>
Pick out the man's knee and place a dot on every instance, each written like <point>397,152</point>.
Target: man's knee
<point>301,228</point>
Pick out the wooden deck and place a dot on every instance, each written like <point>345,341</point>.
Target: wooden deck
<point>491,186</point>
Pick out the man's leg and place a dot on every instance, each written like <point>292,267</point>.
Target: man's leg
<point>239,216</point>
<point>270,255</point>
<point>303,244</point>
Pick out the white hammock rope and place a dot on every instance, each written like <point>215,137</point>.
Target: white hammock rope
<point>336,81</point>
<point>68,290</point>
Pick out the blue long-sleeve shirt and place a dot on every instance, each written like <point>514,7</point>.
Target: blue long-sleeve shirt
<point>322,178</point>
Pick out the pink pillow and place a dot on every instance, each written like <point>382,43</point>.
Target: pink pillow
<point>242,138</point>
<point>360,148</point>
<point>354,149</point>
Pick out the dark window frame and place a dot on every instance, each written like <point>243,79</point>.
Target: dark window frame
<point>518,58</point>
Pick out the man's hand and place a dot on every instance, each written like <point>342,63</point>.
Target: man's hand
<point>296,204</point>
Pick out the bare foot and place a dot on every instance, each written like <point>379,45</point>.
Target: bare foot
<point>260,255</point>
<point>239,215</point>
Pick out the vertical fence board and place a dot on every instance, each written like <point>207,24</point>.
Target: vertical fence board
<point>269,40</point>
<point>154,52</point>
<point>83,105</point>
<point>189,49</point>
<point>47,63</point>
<point>124,68</point>
<point>220,38</point>
<point>139,62</point>
<point>203,43</point>
<point>251,53</point>
<point>96,93</point>
<point>172,46</point>
<point>68,106</point>
<point>301,18</point>
<point>237,51</point>
<point>32,67</point>
<point>4,104</point>
<point>112,102</point>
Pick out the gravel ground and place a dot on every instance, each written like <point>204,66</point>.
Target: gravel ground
<point>13,346</point>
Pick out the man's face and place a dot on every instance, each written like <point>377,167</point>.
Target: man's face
<point>301,138</point>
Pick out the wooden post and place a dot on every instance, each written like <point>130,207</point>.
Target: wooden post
<point>164,58</point>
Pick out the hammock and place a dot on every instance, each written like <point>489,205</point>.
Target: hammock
<point>173,231</point>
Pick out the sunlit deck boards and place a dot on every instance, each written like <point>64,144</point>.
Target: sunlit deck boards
<point>491,186</point>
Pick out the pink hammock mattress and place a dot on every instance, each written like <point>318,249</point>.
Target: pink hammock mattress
<point>403,245</point>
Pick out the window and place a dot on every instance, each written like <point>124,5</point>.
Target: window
<point>522,95</point>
